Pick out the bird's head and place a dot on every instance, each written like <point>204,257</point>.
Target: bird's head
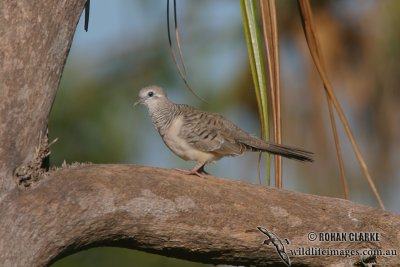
<point>150,95</point>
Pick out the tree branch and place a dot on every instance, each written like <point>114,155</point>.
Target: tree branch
<point>161,211</point>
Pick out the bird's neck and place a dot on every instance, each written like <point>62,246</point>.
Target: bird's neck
<point>162,113</point>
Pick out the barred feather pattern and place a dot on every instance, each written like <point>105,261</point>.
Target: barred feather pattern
<point>211,133</point>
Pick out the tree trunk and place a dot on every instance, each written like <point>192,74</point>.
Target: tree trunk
<point>35,40</point>
<point>47,215</point>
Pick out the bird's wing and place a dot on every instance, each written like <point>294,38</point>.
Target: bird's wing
<point>210,132</point>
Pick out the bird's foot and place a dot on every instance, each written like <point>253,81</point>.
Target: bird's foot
<point>200,173</point>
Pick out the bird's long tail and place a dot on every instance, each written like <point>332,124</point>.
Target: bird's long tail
<point>281,150</point>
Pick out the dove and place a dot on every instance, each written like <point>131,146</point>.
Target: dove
<point>202,136</point>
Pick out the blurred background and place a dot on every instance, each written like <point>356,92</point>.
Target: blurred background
<point>126,48</point>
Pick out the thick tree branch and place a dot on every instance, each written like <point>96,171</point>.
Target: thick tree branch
<point>203,219</point>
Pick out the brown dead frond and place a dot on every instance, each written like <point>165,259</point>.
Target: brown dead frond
<point>270,31</point>
<point>182,74</point>
<point>316,54</point>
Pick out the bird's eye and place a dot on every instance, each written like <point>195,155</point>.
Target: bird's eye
<point>150,94</point>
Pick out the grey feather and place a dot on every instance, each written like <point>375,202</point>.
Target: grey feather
<point>193,134</point>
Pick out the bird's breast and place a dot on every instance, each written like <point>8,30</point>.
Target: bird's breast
<point>180,146</point>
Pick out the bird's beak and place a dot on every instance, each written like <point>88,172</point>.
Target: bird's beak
<point>139,101</point>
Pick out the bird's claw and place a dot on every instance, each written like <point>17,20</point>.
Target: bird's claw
<point>193,172</point>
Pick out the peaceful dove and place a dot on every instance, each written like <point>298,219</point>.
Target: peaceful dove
<point>202,136</point>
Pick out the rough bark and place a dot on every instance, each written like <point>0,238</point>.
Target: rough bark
<point>35,39</point>
<point>161,211</point>
<point>45,216</point>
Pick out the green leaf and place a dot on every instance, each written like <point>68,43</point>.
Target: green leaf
<point>254,45</point>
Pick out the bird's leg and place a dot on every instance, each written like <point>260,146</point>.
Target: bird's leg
<point>198,170</point>
<point>201,169</point>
